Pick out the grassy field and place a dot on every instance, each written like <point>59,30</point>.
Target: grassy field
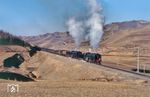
<point>64,79</point>
<point>75,89</point>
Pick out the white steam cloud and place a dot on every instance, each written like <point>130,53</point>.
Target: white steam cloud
<point>88,27</point>
<point>76,30</point>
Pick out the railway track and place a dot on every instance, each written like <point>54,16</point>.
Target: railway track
<point>132,73</point>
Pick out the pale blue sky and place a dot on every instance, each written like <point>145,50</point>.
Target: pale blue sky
<point>32,17</point>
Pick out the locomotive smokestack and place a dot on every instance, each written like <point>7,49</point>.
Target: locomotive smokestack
<point>89,26</point>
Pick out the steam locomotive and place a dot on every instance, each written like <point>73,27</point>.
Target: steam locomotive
<point>88,57</point>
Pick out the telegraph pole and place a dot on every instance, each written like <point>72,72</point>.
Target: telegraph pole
<point>144,68</point>
<point>138,59</point>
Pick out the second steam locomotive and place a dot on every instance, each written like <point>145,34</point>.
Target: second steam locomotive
<point>88,56</point>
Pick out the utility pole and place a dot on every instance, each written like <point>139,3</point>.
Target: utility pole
<point>138,59</point>
<point>144,68</point>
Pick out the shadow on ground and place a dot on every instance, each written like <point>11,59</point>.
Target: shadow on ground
<point>13,61</point>
<point>14,76</point>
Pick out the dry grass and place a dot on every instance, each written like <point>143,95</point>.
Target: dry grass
<point>52,67</point>
<point>76,89</point>
<point>58,68</point>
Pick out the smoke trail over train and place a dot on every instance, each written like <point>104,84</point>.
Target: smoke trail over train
<point>89,26</point>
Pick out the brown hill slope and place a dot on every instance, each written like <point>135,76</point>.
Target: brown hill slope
<point>9,39</point>
<point>127,34</point>
<point>51,40</point>
<point>120,34</point>
<point>119,39</point>
<point>52,67</point>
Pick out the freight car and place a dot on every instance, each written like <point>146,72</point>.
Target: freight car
<point>62,52</point>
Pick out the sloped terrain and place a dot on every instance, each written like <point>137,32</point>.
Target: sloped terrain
<point>119,34</point>
<point>52,67</point>
<point>8,39</point>
<point>127,34</point>
<point>13,73</point>
<point>12,48</point>
<point>9,50</point>
<point>118,45</point>
<point>13,51</point>
<point>51,40</point>
<point>58,76</point>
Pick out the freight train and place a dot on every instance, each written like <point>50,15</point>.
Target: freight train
<point>88,56</point>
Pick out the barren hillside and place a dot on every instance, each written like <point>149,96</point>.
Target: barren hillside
<point>53,67</point>
<point>51,40</point>
<point>118,45</point>
<point>73,78</point>
<point>127,34</point>
<point>120,34</point>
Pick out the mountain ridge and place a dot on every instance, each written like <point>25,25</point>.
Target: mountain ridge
<point>8,39</point>
<point>111,37</point>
